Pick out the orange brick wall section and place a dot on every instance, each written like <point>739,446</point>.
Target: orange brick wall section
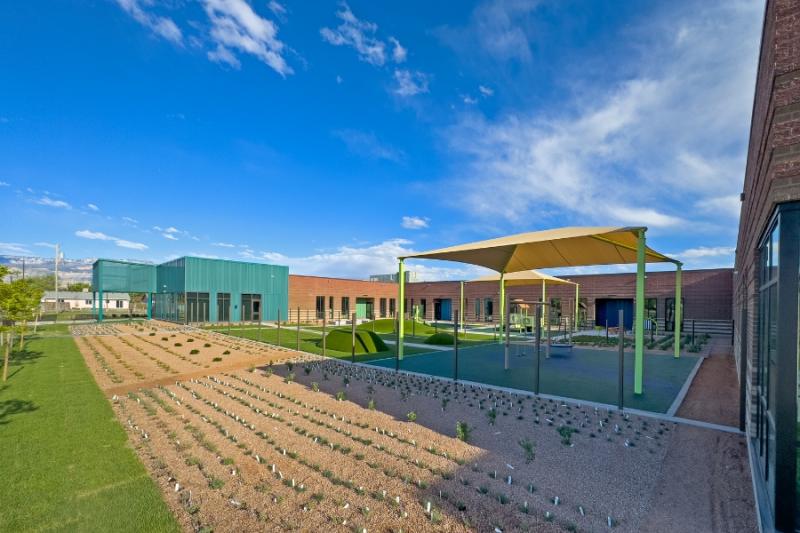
<point>303,292</point>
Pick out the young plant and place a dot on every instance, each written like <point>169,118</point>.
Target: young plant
<point>463,431</point>
<point>289,377</point>
<point>315,386</point>
<point>528,448</point>
<point>491,414</point>
<point>341,396</point>
<point>411,416</point>
<point>216,359</point>
<point>371,404</point>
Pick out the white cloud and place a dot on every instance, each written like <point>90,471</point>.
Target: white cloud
<point>359,262</point>
<point>485,91</point>
<point>358,34</point>
<point>4,184</point>
<point>366,144</point>
<point>161,26</point>
<point>13,248</point>
<point>93,207</point>
<point>130,220</point>
<point>100,236</point>
<point>169,236</point>
<point>410,83</point>
<point>46,200</point>
<point>644,150</point>
<point>236,26</point>
<point>399,54</point>
<point>45,244</point>
<point>469,100</point>
<point>339,80</point>
<point>414,222</point>
<point>706,251</point>
<point>276,8</point>
<point>223,244</point>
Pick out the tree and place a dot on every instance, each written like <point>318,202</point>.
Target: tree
<point>78,287</point>
<point>19,301</point>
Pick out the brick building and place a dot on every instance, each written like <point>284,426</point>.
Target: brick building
<point>707,296</point>
<point>338,298</point>
<point>766,272</point>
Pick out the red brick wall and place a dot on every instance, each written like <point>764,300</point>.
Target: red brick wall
<point>772,174</point>
<point>707,293</point>
<point>303,292</point>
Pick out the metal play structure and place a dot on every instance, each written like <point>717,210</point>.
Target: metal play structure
<point>561,247</point>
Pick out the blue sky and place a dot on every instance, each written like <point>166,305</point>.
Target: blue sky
<point>334,136</point>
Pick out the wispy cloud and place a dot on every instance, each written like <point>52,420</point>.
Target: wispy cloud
<point>358,34</point>
<point>100,236</point>
<point>50,202</point>
<point>408,83</point>
<point>366,144</point>
<point>159,25</point>
<point>223,244</point>
<point>92,207</point>
<point>359,262</point>
<point>4,184</point>
<point>399,53</point>
<point>235,26</point>
<point>13,248</point>
<point>706,251</point>
<point>632,151</point>
<point>485,91</point>
<point>414,222</point>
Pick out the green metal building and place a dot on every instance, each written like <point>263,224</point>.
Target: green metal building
<point>195,289</point>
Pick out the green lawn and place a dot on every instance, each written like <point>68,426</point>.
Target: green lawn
<point>310,342</point>
<point>66,464</point>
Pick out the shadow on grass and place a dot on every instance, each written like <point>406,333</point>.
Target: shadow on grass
<point>12,407</point>
<point>23,357</point>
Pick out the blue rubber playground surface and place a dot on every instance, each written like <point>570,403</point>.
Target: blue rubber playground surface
<point>581,373</point>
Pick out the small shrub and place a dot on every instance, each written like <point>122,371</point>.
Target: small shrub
<point>411,416</point>
<point>207,345</point>
<point>566,435</point>
<point>194,351</point>
<point>216,359</point>
<point>307,370</point>
<point>215,483</point>
<point>341,396</point>
<point>289,377</point>
<point>152,334</point>
<point>227,461</point>
<point>528,448</point>
<point>190,340</point>
<point>226,352</point>
<point>491,414</point>
<point>290,366</point>
<point>371,404</point>
<point>164,338</point>
<point>463,431</point>
<point>315,386</point>
<point>177,344</point>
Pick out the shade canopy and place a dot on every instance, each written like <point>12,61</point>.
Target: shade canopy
<point>526,277</point>
<point>562,247</point>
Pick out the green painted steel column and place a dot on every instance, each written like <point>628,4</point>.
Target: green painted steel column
<point>638,366</point>
<point>502,304</point>
<point>100,308</point>
<point>545,309</point>
<point>94,304</point>
<point>401,283</point>
<point>149,305</point>
<point>577,307</point>
<point>678,314</point>
<point>461,309</point>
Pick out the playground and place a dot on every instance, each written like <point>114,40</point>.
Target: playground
<point>586,374</point>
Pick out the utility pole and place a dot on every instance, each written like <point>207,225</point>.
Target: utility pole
<point>58,253</point>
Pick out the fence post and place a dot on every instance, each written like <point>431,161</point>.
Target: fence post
<point>693,339</point>
<point>621,339</point>
<point>353,351</point>
<point>259,329</point>
<point>298,329</point>
<point>508,333</point>
<point>279,326</point>
<point>397,343</point>
<point>538,335</point>
<point>324,340</point>
<point>455,346</point>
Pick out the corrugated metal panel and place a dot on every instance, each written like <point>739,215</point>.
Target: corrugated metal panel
<point>171,276</point>
<point>215,275</point>
<point>122,276</point>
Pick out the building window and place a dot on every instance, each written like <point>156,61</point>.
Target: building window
<point>346,305</point>
<point>320,307</point>
<point>392,307</point>
<point>777,400</point>
<point>477,308</point>
<point>669,314</point>
<point>88,302</point>
<point>650,312</point>
<point>555,310</point>
<point>383,307</point>
<point>330,307</point>
<point>488,311</point>
<point>197,306</point>
<point>119,304</point>
<point>423,308</point>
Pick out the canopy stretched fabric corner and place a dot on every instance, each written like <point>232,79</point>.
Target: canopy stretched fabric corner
<point>517,255</point>
<point>563,247</point>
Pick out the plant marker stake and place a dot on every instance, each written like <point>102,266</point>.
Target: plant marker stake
<point>580,509</point>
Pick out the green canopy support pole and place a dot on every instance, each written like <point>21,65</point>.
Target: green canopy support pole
<point>678,314</point>
<point>94,304</point>
<point>100,304</point>
<point>638,333</point>
<point>502,303</point>
<point>149,305</point>
<point>401,283</point>
<point>461,309</point>
<point>577,307</point>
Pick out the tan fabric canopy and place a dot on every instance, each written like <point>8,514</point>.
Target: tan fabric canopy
<point>563,247</point>
<point>527,277</point>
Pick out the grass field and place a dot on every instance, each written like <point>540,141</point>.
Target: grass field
<point>580,373</point>
<point>66,464</point>
<point>310,341</point>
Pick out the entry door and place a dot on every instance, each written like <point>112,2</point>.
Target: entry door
<point>256,307</point>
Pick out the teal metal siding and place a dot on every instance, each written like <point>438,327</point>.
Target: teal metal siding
<point>122,276</point>
<point>235,277</point>
<point>171,276</point>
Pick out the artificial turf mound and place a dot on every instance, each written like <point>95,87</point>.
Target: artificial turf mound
<point>366,341</point>
<point>386,325</point>
<point>440,339</point>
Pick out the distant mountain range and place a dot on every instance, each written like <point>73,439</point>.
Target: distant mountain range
<point>69,270</point>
